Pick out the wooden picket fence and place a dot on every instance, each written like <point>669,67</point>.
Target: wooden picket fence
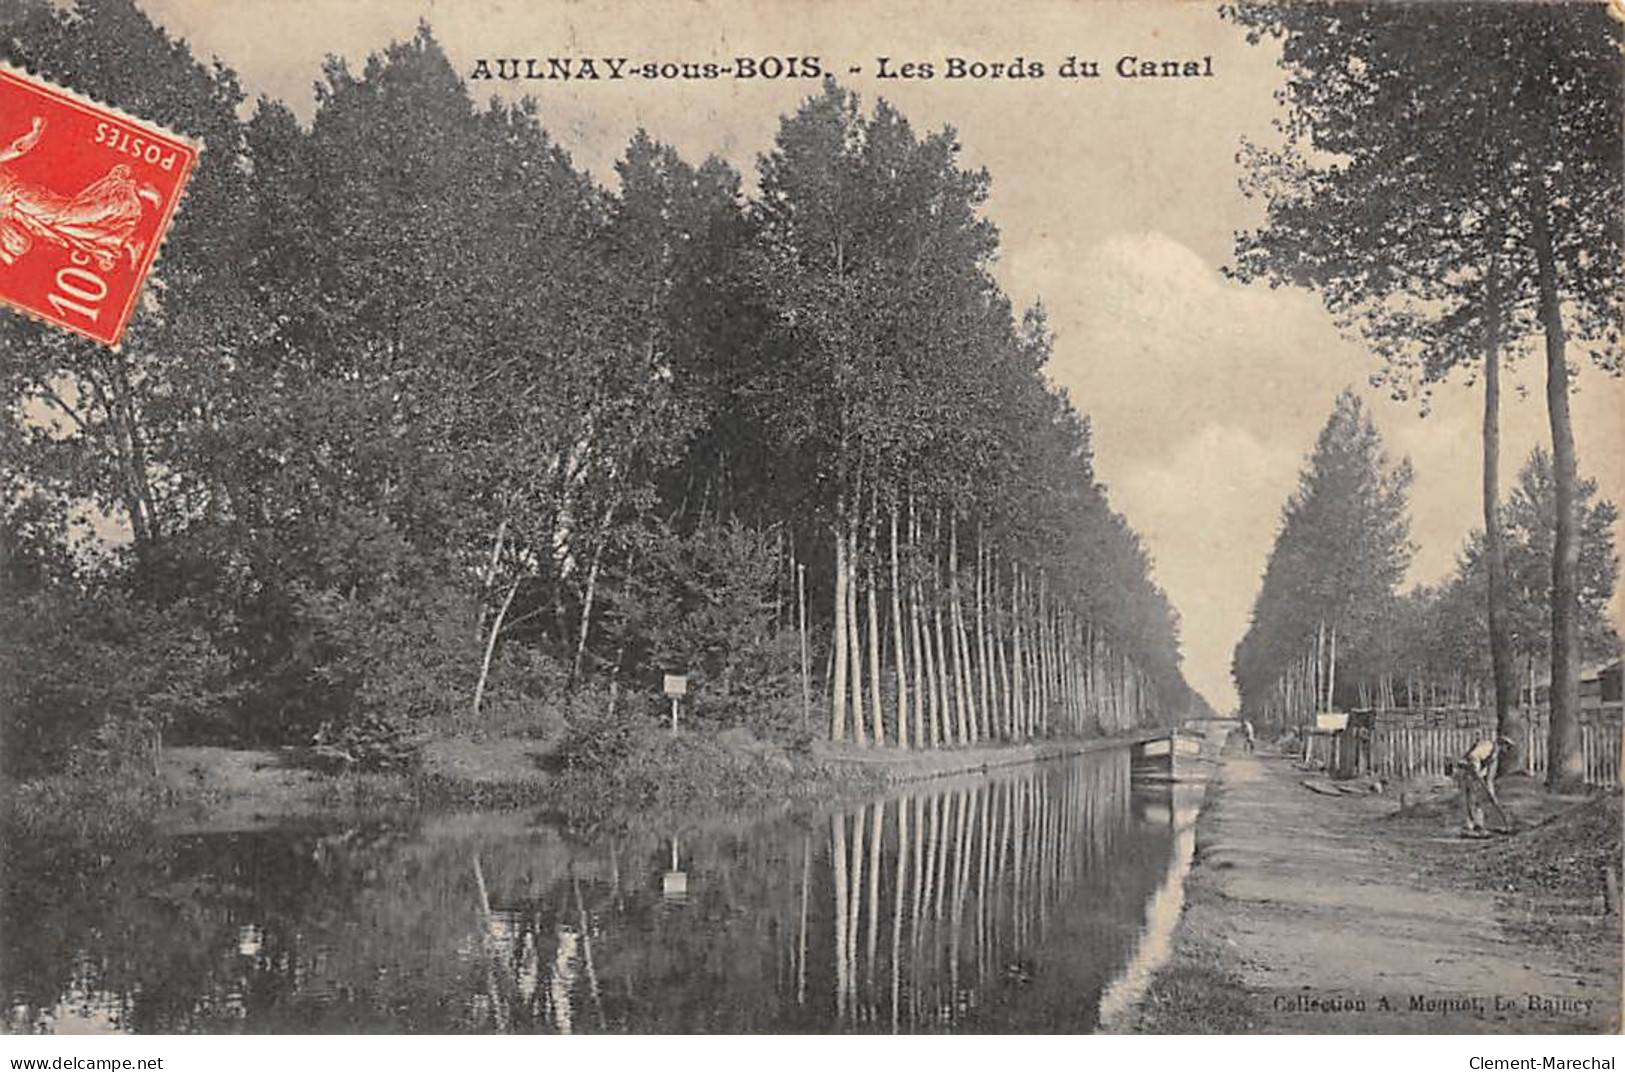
<point>1601,741</point>
<point>1418,745</point>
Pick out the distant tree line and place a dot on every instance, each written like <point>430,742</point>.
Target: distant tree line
<point>418,422</point>
<point>1331,629</point>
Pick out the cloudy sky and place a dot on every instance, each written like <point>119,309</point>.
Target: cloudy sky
<point>1117,201</point>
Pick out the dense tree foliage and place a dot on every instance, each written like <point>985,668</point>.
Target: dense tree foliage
<point>419,423</point>
<point>1442,648</point>
<point>1343,547</point>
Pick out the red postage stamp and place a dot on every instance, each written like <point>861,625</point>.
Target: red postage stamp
<point>87,194</point>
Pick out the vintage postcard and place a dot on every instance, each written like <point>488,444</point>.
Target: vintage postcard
<point>771,517</point>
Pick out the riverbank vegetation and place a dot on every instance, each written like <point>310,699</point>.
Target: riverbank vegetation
<point>421,433</point>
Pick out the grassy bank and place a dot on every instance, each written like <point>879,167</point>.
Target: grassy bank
<point>217,789</point>
<point>199,789</point>
<point>100,808</point>
<point>659,774</point>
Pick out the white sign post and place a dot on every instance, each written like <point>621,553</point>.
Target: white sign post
<point>676,688</point>
<point>1331,721</point>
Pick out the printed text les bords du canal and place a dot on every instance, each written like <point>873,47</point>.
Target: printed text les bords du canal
<point>775,68</point>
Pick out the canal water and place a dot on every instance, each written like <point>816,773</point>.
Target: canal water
<point>1029,899</point>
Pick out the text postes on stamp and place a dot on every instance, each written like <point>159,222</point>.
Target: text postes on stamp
<point>87,194</point>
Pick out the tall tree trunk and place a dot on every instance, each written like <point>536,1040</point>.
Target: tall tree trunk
<point>1035,663</point>
<point>1291,682</point>
<point>860,732</point>
<point>1052,669</point>
<point>1046,656</point>
<point>1001,665</point>
<point>1320,666</point>
<point>933,679</point>
<point>1040,648</point>
<point>1017,683</point>
<point>1565,764</point>
<point>934,636</point>
<point>920,691</point>
<point>592,589</point>
<point>491,645</point>
<point>956,627</point>
<point>1101,673</point>
<point>806,669</point>
<point>587,601</point>
<point>1311,680</point>
<point>489,575</point>
<point>778,577</point>
<point>901,658</point>
<point>879,723</point>
<point>1494,544</point>
<point>1331,671</point>
<point>1062,719</point>
<point>1124,715</point>
<point>1074,669</point>
<point>838,675</point>
<point>1074,665</point>
<point>941,652</point>
<point>1091,704</point>
<point>1030,646</point>
<point>983,684</point>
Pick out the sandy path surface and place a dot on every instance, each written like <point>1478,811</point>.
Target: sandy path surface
<point>1308,913</point>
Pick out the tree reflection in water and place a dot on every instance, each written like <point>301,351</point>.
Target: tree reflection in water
<point>1013,901</point>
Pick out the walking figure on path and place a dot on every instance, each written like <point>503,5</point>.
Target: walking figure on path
<point>1247,733</point>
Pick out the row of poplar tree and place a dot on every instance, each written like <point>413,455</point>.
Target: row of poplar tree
<point>1450,178</point>
<point>418,419</point>
<point>1331,627</point>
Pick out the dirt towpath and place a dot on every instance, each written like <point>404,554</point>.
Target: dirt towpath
<point>1308,913</point>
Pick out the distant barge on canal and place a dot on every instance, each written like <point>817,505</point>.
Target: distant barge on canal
<point>1180,756</point>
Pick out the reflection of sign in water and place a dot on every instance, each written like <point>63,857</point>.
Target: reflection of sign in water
<point>1331,721</point>
<point>250,939</point>
<point>674,883</point>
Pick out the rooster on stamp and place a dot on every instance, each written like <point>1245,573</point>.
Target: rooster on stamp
<point>87,194</point>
